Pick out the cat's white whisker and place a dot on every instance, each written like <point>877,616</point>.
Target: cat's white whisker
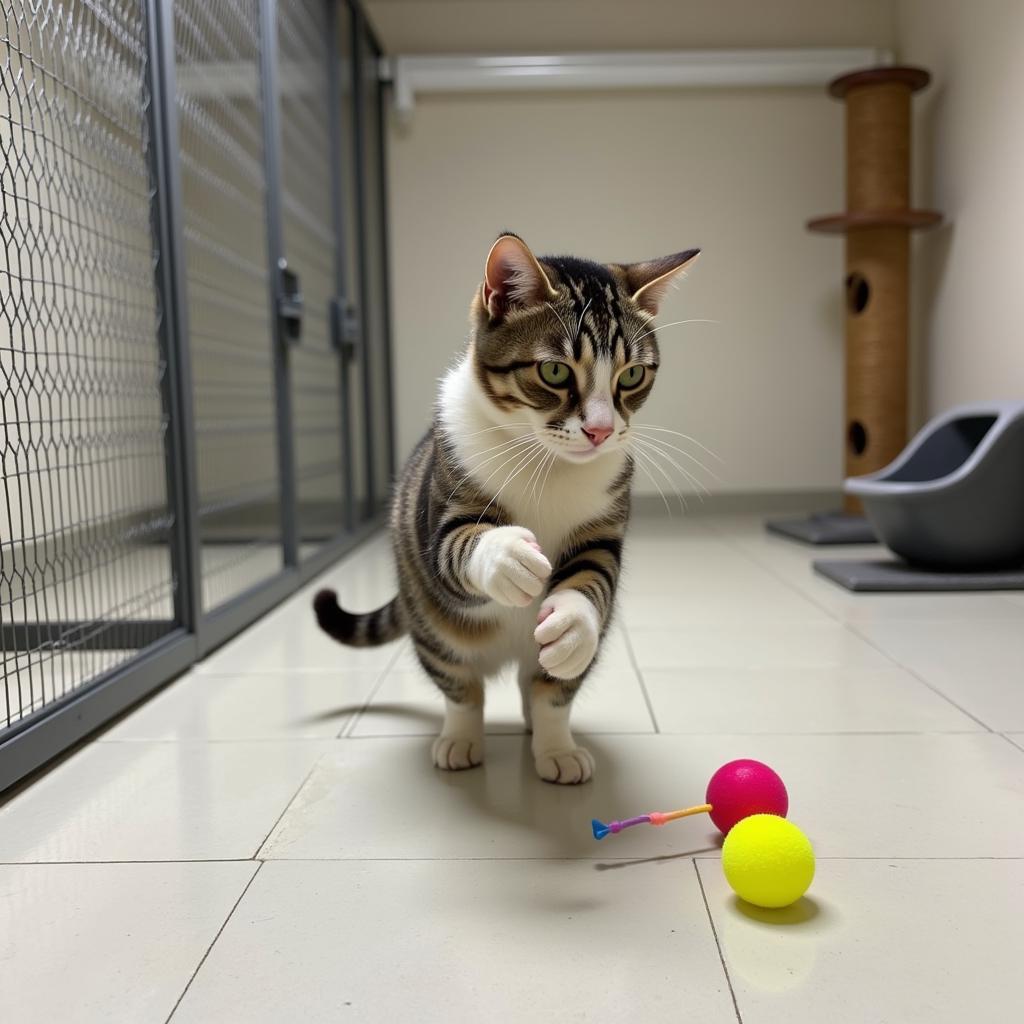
<point>668,444</point>
<point>535,475</point>
<point>504,444</point>
<point>500,426</point>
<point>568,336</point>
<point>516,470</point>
<point>655,446</point>
<point>685,437</point>
<point>547,473</point>
<point>636,452</point>
<point>505,448</point>
<point>664,472</point>
<point>699,484</point>
<point>515,455</point>
<point>675,323</point>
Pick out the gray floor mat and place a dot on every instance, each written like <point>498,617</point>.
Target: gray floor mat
<point>890,575</point>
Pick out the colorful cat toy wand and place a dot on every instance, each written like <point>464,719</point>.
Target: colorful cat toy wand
<point>736,791</point>
<point>767,860</point>
<point>654,818</point>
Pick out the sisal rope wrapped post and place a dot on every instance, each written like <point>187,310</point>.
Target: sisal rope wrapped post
<point>877,225</point>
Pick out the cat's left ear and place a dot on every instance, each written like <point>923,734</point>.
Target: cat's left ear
<point>649,281</point>
<point>513,279</point>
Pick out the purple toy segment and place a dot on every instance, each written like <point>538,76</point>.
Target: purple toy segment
<point>617,826</point>
<point>643,819</point>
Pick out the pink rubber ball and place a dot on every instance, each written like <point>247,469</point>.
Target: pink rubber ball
<point>744,787</point>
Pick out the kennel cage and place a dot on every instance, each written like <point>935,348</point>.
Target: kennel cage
<point>194,339</point>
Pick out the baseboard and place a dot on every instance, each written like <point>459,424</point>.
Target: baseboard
<point>738,503</point>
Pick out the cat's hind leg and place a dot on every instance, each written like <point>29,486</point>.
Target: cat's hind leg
<point>461,743</point>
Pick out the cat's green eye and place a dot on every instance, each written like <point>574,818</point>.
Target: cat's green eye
<point>632,377</point>
<point>555,374</point>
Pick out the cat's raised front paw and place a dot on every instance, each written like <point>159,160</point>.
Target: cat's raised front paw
<point>566,767</point>
<point>508,566</point>
<point>568,634</point>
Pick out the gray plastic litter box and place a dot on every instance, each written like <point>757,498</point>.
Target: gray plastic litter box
<point>954,497</point>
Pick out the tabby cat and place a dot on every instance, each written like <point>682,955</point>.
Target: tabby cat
<point>508,520</point>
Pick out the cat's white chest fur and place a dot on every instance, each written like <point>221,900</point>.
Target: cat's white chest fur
<point>549,497</point>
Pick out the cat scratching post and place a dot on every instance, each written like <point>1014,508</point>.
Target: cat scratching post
<point>877,225</point>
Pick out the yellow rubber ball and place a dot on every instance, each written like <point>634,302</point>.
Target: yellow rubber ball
<point>768,861</point>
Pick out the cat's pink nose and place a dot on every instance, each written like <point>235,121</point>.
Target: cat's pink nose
<point>597,435</point>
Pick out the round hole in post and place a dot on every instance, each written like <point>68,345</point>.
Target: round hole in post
<point>858,438</point>
<point>857,293</point>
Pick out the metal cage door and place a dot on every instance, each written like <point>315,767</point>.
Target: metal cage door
<point>195,416</point>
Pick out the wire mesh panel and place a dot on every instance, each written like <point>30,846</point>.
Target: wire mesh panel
<point>151,420</point>
<point>217,53</point>
<point>85,522</point>
<point>304,48</point>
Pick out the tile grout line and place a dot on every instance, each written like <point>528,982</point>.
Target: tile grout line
<point>209,949</point>
<point>919,678</point>
<point>1013,743</point>
<point>640,677</point>
<point>619,861</point>
<point>718,945</point>
<point>850,628</point>
<point>127,860</point>
<point>350,726</point>
<point>287,806</point>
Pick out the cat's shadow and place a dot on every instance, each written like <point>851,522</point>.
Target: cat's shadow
<point>506,797</point>
<point>430,721</point>
<point>507,791</point>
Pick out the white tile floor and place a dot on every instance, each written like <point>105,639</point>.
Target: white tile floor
<point>265,841</point>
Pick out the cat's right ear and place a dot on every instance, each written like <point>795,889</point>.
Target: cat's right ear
<point>513,279</point>
<point>651,280</point>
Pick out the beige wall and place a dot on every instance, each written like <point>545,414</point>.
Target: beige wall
<point>970,158</point>
<point>548,26</point>
<point>624,177</point>
<point>630,175</point>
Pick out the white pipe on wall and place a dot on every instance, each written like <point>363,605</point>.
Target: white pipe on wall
<point>676,69</point>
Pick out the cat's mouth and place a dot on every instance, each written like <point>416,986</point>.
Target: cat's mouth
<point>582,454</point>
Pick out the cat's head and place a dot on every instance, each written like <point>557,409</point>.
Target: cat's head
<point>567,346</point>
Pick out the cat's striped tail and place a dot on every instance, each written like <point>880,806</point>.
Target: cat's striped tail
<point>367,629</point>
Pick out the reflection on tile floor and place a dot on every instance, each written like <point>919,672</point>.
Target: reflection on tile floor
<point>385,890</point>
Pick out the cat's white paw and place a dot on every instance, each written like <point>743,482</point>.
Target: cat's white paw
<point>508,566</point>
<point>568,634</point>
<point>566,767</point>
<point>454,753</point>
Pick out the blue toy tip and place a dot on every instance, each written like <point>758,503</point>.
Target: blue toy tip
<point>600,829</point>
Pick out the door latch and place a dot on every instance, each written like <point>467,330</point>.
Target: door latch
<point>344,327</point>
<point>289,302</point>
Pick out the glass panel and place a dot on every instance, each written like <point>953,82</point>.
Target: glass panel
<point>375,320</point>
<point>217,51</point>
<point>85,573</point>
<point>308,224</point>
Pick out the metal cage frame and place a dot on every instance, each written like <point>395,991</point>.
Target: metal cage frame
<point>163,649</point>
